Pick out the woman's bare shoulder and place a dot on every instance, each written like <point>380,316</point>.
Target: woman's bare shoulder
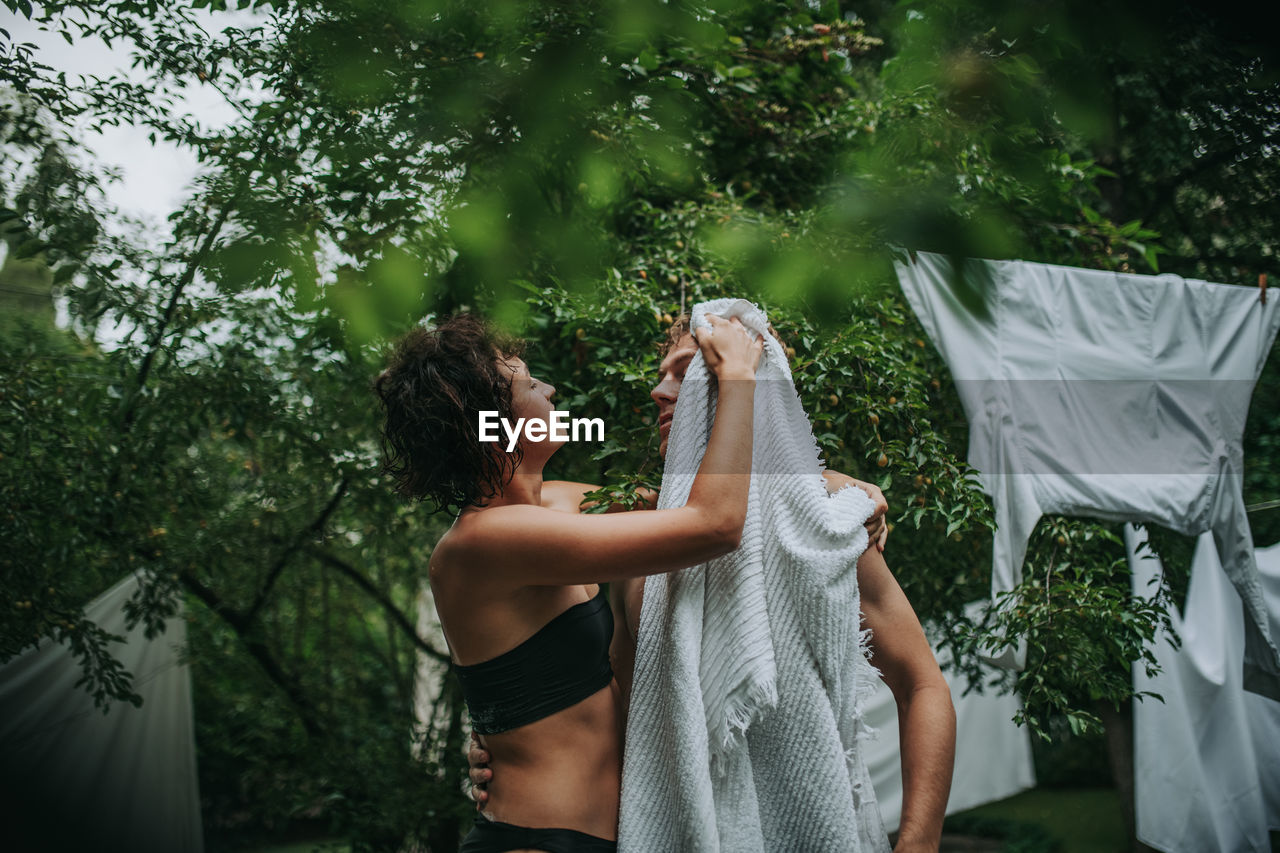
<point>476,537</point>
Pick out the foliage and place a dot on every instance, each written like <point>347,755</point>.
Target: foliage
<point>582,172</point>
<point>1080,623</point>
<point>1262,453</point>
<point>1018,836</point>
<point>1065,759</point>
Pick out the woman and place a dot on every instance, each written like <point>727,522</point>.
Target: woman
<point>515,581</point>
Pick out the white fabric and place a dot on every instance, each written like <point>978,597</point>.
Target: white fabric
<point>1207,758</point>
<point>993,754</point>
<point>430,675</point>
<point>123,781</point>
<point>1109,395</point>
<point>766,639</point>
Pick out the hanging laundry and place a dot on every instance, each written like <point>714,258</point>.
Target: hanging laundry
<point>1116,396</point>
<point>75,778</point>
<point>1206,758</point>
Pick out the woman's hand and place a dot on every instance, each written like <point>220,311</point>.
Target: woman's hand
<point>728,349</point>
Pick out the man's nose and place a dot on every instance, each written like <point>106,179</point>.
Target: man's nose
<point>662,392</point>
<point>549,390</point>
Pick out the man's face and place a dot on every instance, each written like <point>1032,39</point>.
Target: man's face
<point>671,373</point>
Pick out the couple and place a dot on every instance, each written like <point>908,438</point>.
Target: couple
<point>516,584</point>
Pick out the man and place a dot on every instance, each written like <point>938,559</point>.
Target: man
<point>898,645</point>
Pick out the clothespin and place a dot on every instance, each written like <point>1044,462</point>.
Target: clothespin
<point>1262,287</point>
<point>911,253</point>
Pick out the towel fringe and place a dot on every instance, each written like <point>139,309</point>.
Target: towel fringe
<point>740,713</point>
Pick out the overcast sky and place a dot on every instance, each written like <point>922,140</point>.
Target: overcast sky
<point>155,177</point>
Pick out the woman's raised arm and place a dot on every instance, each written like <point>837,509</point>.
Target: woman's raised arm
<point>524,545</point>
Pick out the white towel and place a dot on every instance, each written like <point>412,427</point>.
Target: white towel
<point>754,662</point>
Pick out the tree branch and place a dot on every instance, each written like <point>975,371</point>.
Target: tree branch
<point>188,276</point>
<point>394,613</point>
<point>313,528</point>
<point>1166,188</point>
<point>238,623</point>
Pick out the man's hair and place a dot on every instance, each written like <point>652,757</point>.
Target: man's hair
<point>680,327</point>
<point>437,382</point>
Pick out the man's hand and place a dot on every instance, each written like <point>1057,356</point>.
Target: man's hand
<point>877,527</point>
<point>479,773</point>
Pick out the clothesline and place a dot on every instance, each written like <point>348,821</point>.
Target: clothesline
<point>1262,506</point>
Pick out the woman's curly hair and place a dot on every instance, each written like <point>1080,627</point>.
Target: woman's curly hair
<point>432,391</point>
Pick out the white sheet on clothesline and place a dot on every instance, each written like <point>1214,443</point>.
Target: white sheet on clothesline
<point>123,781</point>
<point>1108,395</point>
<point>1207,758</point>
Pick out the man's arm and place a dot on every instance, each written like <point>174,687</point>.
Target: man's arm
<point>926,718</point>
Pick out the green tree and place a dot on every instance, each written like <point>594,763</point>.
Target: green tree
<point>582,172</point>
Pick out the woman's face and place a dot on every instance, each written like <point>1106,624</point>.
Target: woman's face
<point>530,398</point>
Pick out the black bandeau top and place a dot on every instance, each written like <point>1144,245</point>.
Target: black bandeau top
<point>566,661</point>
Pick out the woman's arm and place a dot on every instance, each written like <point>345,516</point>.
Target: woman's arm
<point>622,648</point>
<point>558,548</point>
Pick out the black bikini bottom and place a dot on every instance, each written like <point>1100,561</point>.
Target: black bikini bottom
<point>489,836</point>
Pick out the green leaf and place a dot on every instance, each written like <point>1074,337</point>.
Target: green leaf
<point>1150,254</point>
<point>64,273</point>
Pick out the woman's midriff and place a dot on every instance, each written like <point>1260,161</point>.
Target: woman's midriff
<point>564,770</point>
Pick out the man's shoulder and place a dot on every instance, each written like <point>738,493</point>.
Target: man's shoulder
<point>565,495</point>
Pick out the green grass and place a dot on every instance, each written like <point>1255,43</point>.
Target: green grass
<point>1081,820</point>
<point>308,847</point>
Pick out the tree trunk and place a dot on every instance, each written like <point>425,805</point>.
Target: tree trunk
<point>1119,726</point>
<point>444,838</point>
